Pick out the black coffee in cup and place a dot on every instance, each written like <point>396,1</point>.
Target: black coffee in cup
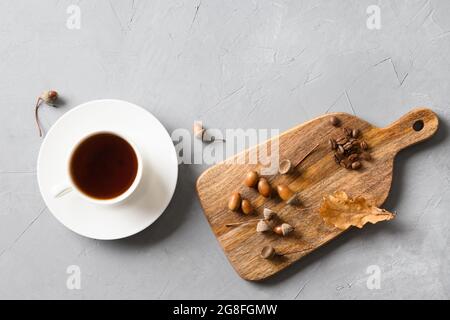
<point>103,166</point>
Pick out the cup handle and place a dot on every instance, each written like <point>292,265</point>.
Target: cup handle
<point>61,190</point>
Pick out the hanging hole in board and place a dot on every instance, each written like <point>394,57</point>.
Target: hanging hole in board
<point>418,125</point>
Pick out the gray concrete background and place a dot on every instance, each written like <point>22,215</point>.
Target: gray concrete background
<point>249,64</point>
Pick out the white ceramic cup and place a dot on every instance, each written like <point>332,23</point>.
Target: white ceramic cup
<point>69,186</point>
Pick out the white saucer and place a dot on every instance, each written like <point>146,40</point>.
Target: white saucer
<point>145,205</point>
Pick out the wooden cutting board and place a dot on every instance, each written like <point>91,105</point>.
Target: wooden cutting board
<point>317,176</point>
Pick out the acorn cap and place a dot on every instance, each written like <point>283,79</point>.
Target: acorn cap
<point>285,166</point>
<point>262,226</point>
<point>49,97</point>
<point>268,213</point>
<point>268,252</point>
<point>286,229</point>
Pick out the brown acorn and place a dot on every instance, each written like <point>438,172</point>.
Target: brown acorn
<point>264,187</point>
<point>246,207</point>
<point>235,201</point>
<point>251,179</point>
<point>283,229</point>
<point>284,192</point>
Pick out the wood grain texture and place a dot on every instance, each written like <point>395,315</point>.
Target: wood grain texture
<point>317,176</point>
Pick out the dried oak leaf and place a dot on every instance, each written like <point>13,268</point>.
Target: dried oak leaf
<point>343,212</point>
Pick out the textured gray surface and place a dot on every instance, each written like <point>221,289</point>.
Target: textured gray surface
<point>249,64</point>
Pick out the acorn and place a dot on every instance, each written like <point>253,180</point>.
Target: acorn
<point>251,179</point>
<point>283,229</point>
<point>235,201</point>
<point>277,230</point>
<point>284,192</point>
<point>264,188</point>
<point>246,207</point>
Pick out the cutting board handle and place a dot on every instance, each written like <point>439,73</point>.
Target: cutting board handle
<point>415,126</point>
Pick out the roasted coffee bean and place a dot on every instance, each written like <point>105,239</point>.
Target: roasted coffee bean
<point>342,140</point>
<point>356,165</point>
<point>344,163</point>
<point>364,145</point>
<point>339,156</point>
<point>347,146</point>
<point>347,132</point>
<point>349,150</point>
<point>353,157</point>
<point>336,158</point>
<point>333,144</point>
<point>348,164</point>
<point>355,133</point>
<point>334,121</point>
